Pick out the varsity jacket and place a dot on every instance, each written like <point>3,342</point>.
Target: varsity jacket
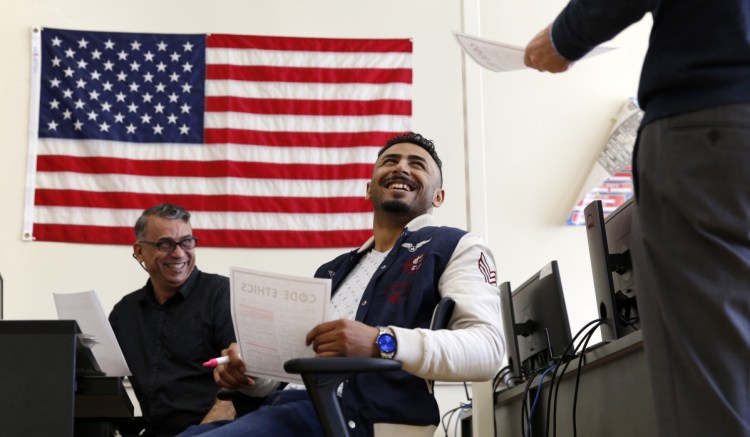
<point>426,263</point>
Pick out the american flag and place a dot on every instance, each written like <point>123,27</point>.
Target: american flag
<point>268,141</point>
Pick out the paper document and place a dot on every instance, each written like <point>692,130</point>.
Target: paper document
<point>86,309</point>
<point>272,314</point>
<point>499,56</point>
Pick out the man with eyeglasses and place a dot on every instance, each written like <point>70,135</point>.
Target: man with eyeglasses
<point>178,320</point>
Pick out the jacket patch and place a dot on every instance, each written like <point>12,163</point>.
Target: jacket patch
<point>413,247</point>
<point>413,264</point>
<point>490,276</point>
<point>395,293</point>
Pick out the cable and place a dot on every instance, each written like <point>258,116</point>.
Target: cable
<point>591,329</point>
<point>578,379</point>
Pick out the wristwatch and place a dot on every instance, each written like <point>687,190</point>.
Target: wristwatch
<point>386,342</point>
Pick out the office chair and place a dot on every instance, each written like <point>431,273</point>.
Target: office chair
<point>322,376</point>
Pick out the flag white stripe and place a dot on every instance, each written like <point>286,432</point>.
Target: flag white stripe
<point>209,220</point>
<point>304,123</point>
<point>307,91</point>
<point>286,58</point>
<point>208,152</point>
<point>201,185</point>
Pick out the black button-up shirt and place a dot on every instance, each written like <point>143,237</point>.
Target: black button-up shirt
<point>165,346</point>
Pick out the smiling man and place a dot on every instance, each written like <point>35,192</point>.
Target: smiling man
<point>168,328</point>
<point>383,297</point>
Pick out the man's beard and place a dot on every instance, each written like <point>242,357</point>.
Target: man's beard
<point>396,207</point>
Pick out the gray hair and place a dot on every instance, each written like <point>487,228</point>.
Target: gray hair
<point>163,210</point>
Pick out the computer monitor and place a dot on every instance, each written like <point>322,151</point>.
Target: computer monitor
<point>541,319</point>
<point>609,250</point>
<point>513,376</point>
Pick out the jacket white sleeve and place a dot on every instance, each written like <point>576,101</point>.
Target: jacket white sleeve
<point>473,349</point>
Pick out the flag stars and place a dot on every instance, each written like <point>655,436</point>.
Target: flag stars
<point>109,45</point>
<point>134,66</point>
<point>160,87</point>
<point>186,87</point>
<point>133,87</point>
<point>148,56</point>
<point>158,129</point>
<point>56,41</point>
<point>56,61</point>
<point>52,125</point>
<point>92,115</point>
<point>132,107</point>
<point>80,83</point>
<point>68,72</point>
<point>78,125</point>
<point>107,86</point>
<point>79,104</point>
<point>82,64</point>
<point>159,108</point>
<point>120,96</point>
<point>93,95</point>
<point>175,57</point>
<point>145,119</point>
<point>162,46</point>
<point>68,93</point>
<point>95,75</point>
<point>161,67</point>
<point>130,128</point>
<point>96,54</point>
<point>104,127</point>
<point>54,83</point>
<point>173,97</point>
<point>109,65</point>
<point>135,45</point>
<point>54,104</point>
<point>122,55</point>
<point>122,76</point>
<point>67,115</point>
<point>172,119</point>
<point>119,118</point>
<point>147,97</point>
<point>186,67</point>
<point>106,107</point>
<point>148,77</point>
<point>70,53</point>
<point>174,77</point>
<point>185,109</point>
<point>82,43</point>
<point>184,129</point>
<point>188,46</point>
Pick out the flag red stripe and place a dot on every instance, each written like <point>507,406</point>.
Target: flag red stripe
<point>298,139</point>
<point>256,73</point>
<point>209,169</point>
<point>308,44</point>
<point>194,202</point>
<point>308,107</point>
<point>209,238</point>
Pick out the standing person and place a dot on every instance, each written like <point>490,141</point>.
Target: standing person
<point>692,241</point>
<point>387,289</point>
<point>168,328</point>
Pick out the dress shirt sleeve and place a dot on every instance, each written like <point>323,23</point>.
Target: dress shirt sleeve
<point>584,24</point>
<point>472,350</point>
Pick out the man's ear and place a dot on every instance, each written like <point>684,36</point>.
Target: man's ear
<point>367,193</point>
<point>439,198</point>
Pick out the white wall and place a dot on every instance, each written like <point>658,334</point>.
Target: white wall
<point>542,133</point>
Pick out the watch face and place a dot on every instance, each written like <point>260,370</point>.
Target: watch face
<point>386,343</point>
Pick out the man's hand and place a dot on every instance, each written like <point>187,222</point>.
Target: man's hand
<point>541,55</point>
<point>232,375</point>
<point>343,338</point>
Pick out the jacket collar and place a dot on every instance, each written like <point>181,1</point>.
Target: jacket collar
<point>415,224</point>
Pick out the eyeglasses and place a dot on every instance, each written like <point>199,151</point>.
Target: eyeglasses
<point>167,245</point>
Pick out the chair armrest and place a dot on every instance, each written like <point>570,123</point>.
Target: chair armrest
<point>322,377</point>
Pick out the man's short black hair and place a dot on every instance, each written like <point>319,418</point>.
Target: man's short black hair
<point>419,140</point>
